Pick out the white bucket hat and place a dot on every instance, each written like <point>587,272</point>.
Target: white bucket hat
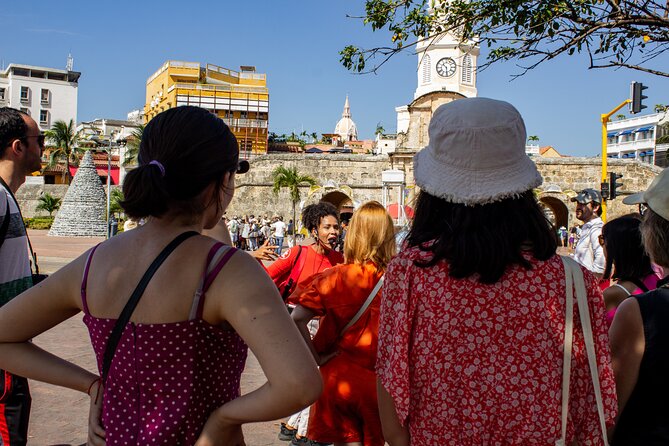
<point>476,153</point>
<point>655,197</point>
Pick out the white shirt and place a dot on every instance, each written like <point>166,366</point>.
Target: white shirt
<point>279,228</point>
<point>588,252</point>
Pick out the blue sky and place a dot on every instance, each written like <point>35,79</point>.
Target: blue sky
<point>117,45</point>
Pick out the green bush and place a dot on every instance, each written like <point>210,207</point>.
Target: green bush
<point>38,222</point>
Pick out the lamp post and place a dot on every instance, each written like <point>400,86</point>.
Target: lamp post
<point>109,156</point>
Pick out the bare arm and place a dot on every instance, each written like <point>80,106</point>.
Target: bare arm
<point>627,347</point>
<point>245,296</point>
<point>219,232</point>
<point>393,431</point>
<point>33,312</point>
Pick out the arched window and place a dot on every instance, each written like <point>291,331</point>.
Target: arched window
<point>467,69</point>
<point>427,73</point>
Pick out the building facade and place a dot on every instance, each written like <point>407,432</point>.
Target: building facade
<point>636,138</point>
<point>46,94</point>
<point>240,98</point>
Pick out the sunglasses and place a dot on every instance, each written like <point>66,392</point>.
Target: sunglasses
<point>40,139</point>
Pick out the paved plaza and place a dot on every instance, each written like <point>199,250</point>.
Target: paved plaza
<point>59,416</point>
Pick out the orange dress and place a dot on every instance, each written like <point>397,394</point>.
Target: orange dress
<point>347,410</point>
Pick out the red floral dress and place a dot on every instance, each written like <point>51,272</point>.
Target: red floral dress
<point>481,364</point>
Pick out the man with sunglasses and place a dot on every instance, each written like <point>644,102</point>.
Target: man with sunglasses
<point>588,251</point>
<point>21,145</point>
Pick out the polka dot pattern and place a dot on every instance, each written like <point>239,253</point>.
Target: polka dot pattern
<point>166,379</point>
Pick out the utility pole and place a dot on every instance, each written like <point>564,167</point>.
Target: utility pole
<point>605,121</point>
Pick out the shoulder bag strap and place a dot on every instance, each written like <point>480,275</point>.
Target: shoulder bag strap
<point>30,245</point>
<point>364,307</point>
<point>129,308</point>
<point>5,225</point>
<point>568,338</point>
<point>584,312</point>
<point>574,275</point>
<point>294,274</point>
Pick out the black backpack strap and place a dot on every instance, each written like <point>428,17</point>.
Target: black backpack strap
<point>115,337</point>
<point>5,225</point>
<point>642,286</point>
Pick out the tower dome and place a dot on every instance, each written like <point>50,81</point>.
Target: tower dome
<point>346,128</point>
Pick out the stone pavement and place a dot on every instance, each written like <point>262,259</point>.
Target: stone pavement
<point>59,416</point>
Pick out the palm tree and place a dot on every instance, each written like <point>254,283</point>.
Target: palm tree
<point>379,129</point>
<point>115,201</point>
<point>64,138</point>
<point>132,147</point>
<point>659,108</point>
<point>49,203</point>
<point>620,117</point>
<point>290,178</point>
<point>314,137</point>
<point>533,138</point>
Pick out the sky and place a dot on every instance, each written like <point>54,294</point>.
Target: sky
<point>118,45</point>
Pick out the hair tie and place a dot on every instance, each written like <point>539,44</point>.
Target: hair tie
<point>160,166</point>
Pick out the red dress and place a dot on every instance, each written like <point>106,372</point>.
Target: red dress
<point>313,263</point>
<point>481,364</point>
<point>347,410</point>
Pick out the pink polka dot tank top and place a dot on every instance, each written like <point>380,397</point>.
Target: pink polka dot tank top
<point>166,379</point>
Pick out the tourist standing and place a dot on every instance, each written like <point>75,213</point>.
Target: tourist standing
<point>640,335</point>
<point>588,251</point>
<point>290,230</point>
<point>472,325</point>
<point>346,342</point>
<point>233,229</point>
<point>21,145</point>
<point>171,364</point>
<point>627,263</point>
<point>297,265</point>
<point>244,237</point>
<point>279,228</point>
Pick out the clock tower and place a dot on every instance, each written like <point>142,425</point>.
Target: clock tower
<point>446,64</point>
<point>446,72</point>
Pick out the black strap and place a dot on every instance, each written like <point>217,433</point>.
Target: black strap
<point>642,286</point>
<point>5,226</point>
<point>129,308</point>
<point>30,245</point>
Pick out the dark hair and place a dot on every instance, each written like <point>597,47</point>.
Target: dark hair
<point>599,210</point>
<point>195,148</point>
<point>12,126</point>
<point>314,213</point>
<point>482,239</point>
<point>626,258</point>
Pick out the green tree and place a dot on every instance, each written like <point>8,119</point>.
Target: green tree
<point>314,137</point>
<point>613,33</point>
<point>49,203</point>
<point>379,129</point>
<point>115,201</point>
<point>64,139</point>
<point>659,108</point>
<point>290,178</point>
<point>533,138</point>
<point>620,117</point>
<point>132,147</point>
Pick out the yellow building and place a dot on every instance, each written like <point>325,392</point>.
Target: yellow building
<point>240,98</point>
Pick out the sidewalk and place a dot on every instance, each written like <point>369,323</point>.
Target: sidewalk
<point>59,416</point>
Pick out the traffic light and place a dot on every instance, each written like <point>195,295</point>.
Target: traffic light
<point>637,96</point>
<point>614,184</point>
<point>604,190</point>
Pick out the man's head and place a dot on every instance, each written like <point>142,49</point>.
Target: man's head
<point>588,205</point>
<point>20,140</point>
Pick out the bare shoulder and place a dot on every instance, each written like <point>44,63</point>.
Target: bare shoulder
<point>627,325</point>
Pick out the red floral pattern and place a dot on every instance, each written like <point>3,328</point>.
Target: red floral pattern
<point>481,364</point>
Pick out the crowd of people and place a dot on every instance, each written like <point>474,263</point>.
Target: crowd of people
<point>472,332</point>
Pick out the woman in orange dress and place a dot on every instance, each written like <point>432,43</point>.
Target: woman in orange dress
<point>347,412</point>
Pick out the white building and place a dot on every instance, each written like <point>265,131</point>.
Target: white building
<point>634,138</point>
<point>346,128</point>
<point>46,94</point>
<point>385,143</point>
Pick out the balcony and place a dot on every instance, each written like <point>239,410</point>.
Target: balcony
<point>627,146</point>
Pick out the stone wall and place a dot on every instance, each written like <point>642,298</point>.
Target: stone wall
<point>253,193</point>
<point>28,197</point>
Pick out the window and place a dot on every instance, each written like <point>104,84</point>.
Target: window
<point>467,69</point>
<point>44,116</point>
<point>45,96</point>
<point>25,94</point>
<point>427,74</point>
<point>2,94</point>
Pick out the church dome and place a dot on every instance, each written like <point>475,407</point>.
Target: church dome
<point>346,128</point>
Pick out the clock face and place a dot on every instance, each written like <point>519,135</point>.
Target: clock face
<point>446,67</point>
